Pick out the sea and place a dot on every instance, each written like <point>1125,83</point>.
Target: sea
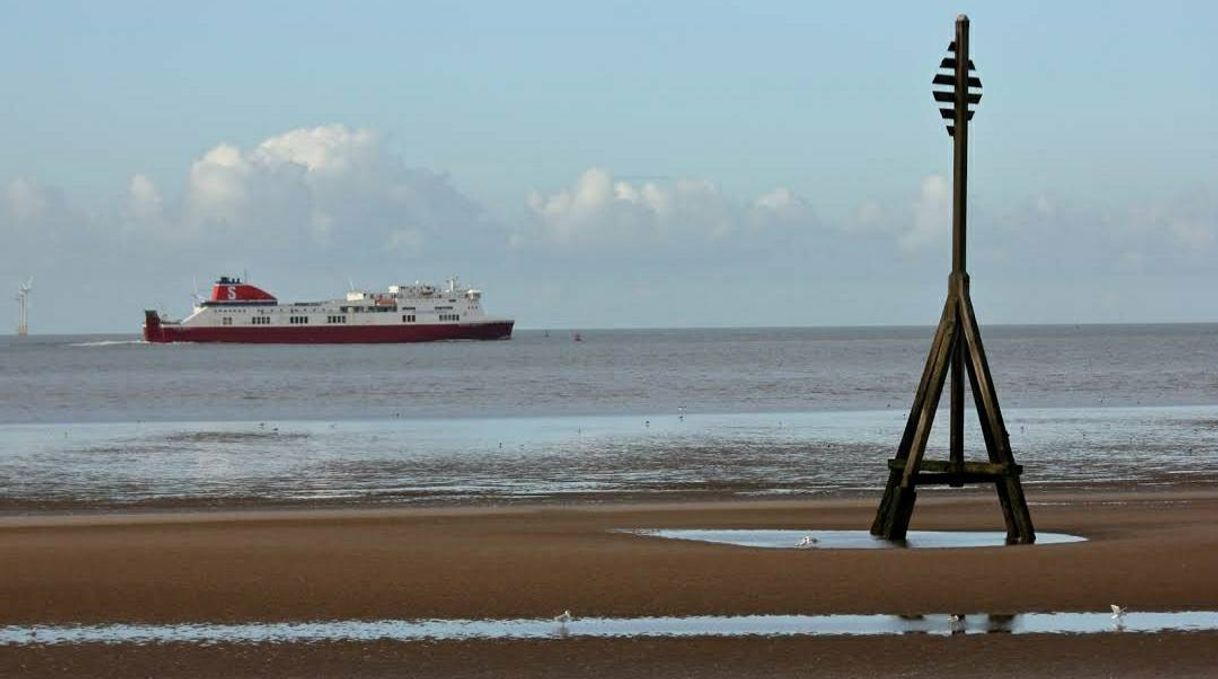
<point>108,421</point>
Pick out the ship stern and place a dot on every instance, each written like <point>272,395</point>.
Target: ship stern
<point>153,331</point>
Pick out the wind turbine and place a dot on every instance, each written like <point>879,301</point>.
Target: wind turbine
<point>23,298</point>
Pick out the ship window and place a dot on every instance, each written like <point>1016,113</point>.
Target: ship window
<point>408,318</point>
<point>227,320</point>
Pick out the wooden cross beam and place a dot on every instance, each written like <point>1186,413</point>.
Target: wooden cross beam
<point>957,349</point>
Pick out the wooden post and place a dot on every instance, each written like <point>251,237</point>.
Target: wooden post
<point>957,349</point>
<point>959,230</point>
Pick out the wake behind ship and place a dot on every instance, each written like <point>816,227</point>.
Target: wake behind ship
<point>240,312</point>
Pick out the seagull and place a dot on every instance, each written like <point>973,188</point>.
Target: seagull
<point>563,618</point>
<point>1118,612</point>
<point>807,541</point>
<point>956,623</point>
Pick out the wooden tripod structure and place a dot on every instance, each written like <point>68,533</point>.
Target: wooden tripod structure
<point>957,347</point>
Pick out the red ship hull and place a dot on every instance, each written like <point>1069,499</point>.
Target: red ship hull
<point>155,331</point>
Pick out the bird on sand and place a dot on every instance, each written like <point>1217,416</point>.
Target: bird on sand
<point>806,542</point>
<point>956,623</point>
<point>563,618</point>
<point>1118,612</point>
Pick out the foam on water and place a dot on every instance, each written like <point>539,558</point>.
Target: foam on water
<point>608,628</point>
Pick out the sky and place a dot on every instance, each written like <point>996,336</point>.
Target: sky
<point>609,164</point>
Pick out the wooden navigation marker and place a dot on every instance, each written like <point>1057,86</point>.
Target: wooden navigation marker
<point>957,349</point>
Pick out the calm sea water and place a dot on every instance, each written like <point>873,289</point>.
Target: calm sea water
<point>106,420</point>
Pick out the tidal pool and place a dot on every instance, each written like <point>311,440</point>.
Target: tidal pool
<point>844,539</point>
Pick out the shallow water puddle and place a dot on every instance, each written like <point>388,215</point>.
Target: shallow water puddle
<point>845,539</point>
<point>524,628</point>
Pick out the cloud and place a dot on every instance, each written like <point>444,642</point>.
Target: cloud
<point>597,209</point>
<point>1193,233</point>
<point>304,209</point>
<point>27,204</point>
<point>313,188</point>
<point>25,200</point>
<point>914,224</point>
<point>931,214</point>
<point>1190,222</point>
<point>781,207</point>
<point>301,211</point>
<point>144,211</point>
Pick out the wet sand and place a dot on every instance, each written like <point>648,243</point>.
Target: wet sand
<point>1146,550</point>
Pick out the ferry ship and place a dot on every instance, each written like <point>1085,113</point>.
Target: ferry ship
<point>240,312</point>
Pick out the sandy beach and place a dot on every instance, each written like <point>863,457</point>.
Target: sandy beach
<point>1152,550</point>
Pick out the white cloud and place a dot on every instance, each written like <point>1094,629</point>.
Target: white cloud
<point>598,209</point>
<point>322,187</point>
<point>34,215</point>
<point>1193,233</point>
<point>781,206</point>
<point>25,201</point>
<point>145,205</point>
<point>931,214</point>
<point>306,208</point>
